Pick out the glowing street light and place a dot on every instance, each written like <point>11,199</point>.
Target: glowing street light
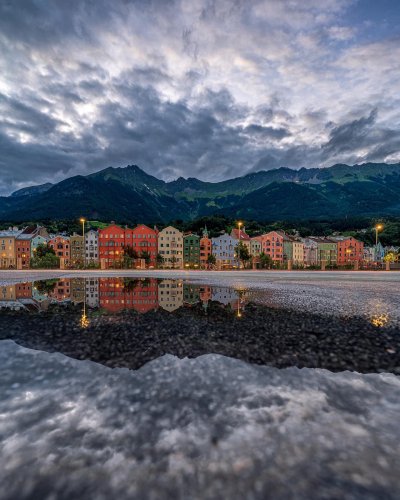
<point>82,220</point>
<point>378,227</point>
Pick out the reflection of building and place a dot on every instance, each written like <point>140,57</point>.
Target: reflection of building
<point>223,247</point>
<point>7,248</point>
<point>170,247</point>
<point>205,249</point>
<point>116,294</point>
<point>191,294</point>
<point>92,292</point>
<point>205,293</point>
<point>191,250</point>
<point>61,291</point>
<point>8,298</point>
<point>224,295</point>
<point>92,246</point>
<point>78,290</point>
<point>77,249</point>
<point>23,290</point>
<point>170,295</point>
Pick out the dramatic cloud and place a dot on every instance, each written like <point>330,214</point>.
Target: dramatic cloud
<point>206,88</point>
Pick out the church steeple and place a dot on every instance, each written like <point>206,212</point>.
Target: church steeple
<point>205,232</point>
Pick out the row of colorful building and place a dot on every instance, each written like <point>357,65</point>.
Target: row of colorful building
<point>170,248</point>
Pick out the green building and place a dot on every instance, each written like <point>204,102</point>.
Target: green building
<point>191,250</point>
<point>327,251</point>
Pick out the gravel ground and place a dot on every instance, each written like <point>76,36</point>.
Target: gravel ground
<point>263,335</point>
<point>204,428</point>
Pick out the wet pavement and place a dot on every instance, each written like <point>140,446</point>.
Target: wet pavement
<point>145,388</point>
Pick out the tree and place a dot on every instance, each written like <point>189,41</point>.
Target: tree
<point>45,287</point>
<point>391,257</point>
<point>265,261</point>
<point>130,252</point>
<point>211,260</point>
<point>43,249</point>
<point>242,252</point>
<point>144,254</point>
<point>159,259</point>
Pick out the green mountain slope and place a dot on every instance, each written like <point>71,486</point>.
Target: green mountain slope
<point>131,195</point>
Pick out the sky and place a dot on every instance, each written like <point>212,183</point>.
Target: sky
<point>211,89</point>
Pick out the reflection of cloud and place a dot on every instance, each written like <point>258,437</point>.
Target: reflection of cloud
<point>216,425</point>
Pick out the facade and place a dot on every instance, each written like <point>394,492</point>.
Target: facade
<point>349,250</point>
<point>255,247</point>
<point>293,249</point>
<point>77,250</point>
<point>205,249</point>
<point>91,247</point>
<point>62,248</point>
<point>78,291</point>
<point>326,251</point>
<point>379,252</point>
<point>243,237</point>
<point>117,294</point>
<point>170,295</point>
<point>191,250</point>
<point>36,241</point>
<point>170,247</point>
<point>23,250</point>
<point>92,292</point>
<point>310,252</point>
<point>62,291</point>
<point>143,239</point>
<point>191,294</point>
<point>272,245</point>
<point>111,245</point>
<point>223,247</point>
<point>8,258</point>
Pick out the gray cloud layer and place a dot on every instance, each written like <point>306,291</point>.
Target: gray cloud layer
<point>204,88</point>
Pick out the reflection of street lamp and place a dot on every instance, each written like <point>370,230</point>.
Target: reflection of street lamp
<point>82,220</point>
<point>84,321</point>
<point>378,227</point>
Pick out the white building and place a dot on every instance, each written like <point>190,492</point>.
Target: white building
<point>91,247</point>
<point>92,292</point>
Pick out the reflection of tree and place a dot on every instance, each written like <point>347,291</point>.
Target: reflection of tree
<point>45,287</point>
<point>131,283</point>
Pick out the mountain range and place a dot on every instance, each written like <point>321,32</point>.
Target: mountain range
<point>131,195</point>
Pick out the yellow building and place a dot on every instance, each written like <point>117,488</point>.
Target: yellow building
<point>170,295</point>
<point>7,248</point>
<point>170,247</point>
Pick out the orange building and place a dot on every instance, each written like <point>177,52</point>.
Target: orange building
<point>61,246</point>
<point>116,294</point>
<point>349,250</point>
<point>272,245</point>
<point>205,249</point>
<point>111,245</point>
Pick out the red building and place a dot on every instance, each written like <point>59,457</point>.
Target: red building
<point>117,294</point>
<point>111,245</point>
<point>23,250</point>
<point>61,246</point>
<point>143,239</point>
<point>23,291</point>
<point>349,250</point>
<point>272,245</point>
<point>205,249</point>
<point>61,291</point>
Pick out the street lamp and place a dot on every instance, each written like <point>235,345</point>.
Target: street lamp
<point>378,227</point>
<point>82,220</point>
